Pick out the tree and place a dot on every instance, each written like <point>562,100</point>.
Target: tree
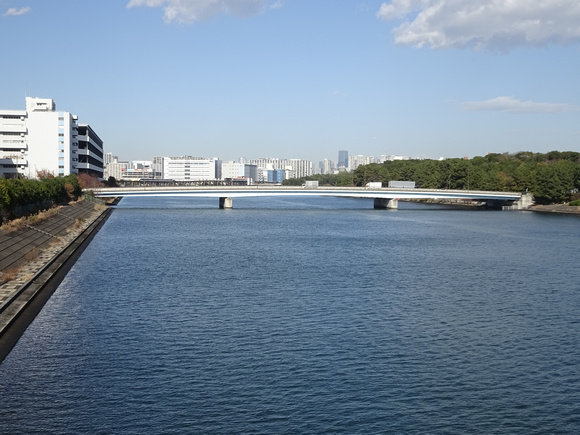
<point>367,173</point>
<point>4,197</point>
<point>44,174</point>
<point>112,182</point>
<point>554,182</point>
<point>87,181</point>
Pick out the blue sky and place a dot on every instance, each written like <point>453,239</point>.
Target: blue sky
<point>302,78</point>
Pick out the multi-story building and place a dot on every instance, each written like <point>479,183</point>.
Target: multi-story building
<point>116,169</point>
<point>388,158</point>
<point>139,170</point>
<point>271,163</point>
<point>13,143</point>
<point>343,158</point>
<point>295,168</point>
<point>42,140</point>
<point>355,161</point>
<point>90,152</point>
<point>233,170</point>
<point>187,168</point>
<point>276,176</point>
<point>108,158</point>
<point>300,168</point>
<point>326,166</point>
<point>157,167</point>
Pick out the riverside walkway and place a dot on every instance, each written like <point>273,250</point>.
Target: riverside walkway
<point>35,258</point>
<point>383,197</point>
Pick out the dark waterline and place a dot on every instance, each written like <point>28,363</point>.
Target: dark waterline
<point>306,316</point>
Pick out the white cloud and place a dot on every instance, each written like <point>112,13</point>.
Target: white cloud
<point>15,12</point>
<point>510,104</point>
<point>492,24</point>
<point>277,5</point>
<point>187,11</point>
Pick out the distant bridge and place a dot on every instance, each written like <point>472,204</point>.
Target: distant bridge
<point>383,197</point>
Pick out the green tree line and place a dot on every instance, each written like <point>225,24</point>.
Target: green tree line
<point>553,177</point>
<point>15,192</point>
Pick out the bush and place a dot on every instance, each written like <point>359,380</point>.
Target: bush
<point>15,192</point>
<point>575,203</point>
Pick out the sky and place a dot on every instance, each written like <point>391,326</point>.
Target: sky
<point>302,78</point>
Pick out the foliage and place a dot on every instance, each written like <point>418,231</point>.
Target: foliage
<point>16,192</point>
<point>44,174</point>
<point>88,181</point>
<point>4,196</point>
<point>575,203</point>
<point>111,182</point>
<point>553,177</point>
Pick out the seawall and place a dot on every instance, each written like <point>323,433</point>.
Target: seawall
<point>35,259</point>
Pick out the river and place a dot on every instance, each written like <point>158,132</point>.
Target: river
<point>306,315</point>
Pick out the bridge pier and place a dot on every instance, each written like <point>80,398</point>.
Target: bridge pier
<point>523,203</point>
<point>386,203</point>
<point>226,202</point>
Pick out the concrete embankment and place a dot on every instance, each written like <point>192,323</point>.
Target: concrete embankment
<point>35,259</point>
<point>557,208</point>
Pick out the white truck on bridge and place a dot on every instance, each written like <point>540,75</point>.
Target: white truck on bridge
<point>310,185</point>
<point>402,184</point>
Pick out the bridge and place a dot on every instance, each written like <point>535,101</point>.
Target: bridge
<point>384,198</point>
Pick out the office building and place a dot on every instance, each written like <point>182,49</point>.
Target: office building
<point>41,141</point>
<point>234,170</point>
<point>343,158</point>
<point>187,168</point>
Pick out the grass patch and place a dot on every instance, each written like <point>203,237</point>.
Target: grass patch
<point>32,254</point>
<point>9,274</point>
<point>20,223</point>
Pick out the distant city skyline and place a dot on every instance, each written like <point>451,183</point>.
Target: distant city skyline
<point>303,79</point>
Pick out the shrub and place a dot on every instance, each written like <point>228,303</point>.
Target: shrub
<point>575,203</point>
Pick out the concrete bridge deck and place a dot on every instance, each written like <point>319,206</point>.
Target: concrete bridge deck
<point>384,197</point>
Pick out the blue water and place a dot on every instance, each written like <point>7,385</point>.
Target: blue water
<point>287,316</point>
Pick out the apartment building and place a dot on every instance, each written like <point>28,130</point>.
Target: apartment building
<point>295,168</point>
<point>356,161</point>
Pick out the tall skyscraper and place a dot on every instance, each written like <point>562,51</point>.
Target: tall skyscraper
<point>343,158</point>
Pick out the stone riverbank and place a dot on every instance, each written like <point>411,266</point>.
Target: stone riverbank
<point>35,258</point>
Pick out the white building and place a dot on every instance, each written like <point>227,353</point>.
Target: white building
<point>326,166</point>
<point>116,169</point>
<point>13,143</point>
<point>157,167</point>
<point>356,161</point>
<point>40,139</point>
<point>232,170</point>
<point>187,168</point>
<point>392,158</point>
<point>108,158</point>
<point>295,168</point>
<point>300,168</point>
